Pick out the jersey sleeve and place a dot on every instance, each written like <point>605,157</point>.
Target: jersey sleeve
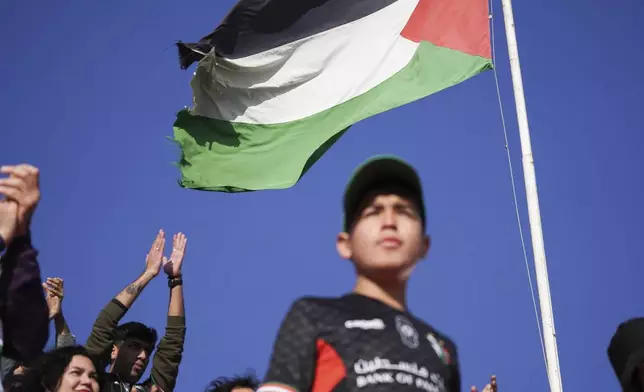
<point>454,384</point>
<point>292,364</point>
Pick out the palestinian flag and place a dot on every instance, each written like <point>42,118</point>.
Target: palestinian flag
<point>279,81</point>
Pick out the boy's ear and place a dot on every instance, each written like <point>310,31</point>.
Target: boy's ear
<point>424,249</point>
<point>343,245</point>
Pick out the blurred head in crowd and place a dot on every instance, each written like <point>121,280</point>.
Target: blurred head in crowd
<point>67,369</point>
<point>18,369</point>
<point>133,346</point>
<point>246,383</point>
<point>14,378</point>
<point>626,354</point>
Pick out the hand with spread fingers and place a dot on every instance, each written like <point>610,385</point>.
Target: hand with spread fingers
<point>491,387</point>
<point>172,267</point>
<point>22,186</point>
<point>154,260</point>
<point>54,293</point>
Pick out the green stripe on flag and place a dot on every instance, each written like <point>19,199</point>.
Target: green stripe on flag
<point>218,155</point>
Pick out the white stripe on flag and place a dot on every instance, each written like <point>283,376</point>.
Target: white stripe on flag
<point>307,76</point>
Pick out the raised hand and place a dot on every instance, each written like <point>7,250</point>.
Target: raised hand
<point>8,220</point>
<point>491,387</point>
<point>155,257</point>
<point>54,293</point>
<point>172,267</point>
<point>23,187</point>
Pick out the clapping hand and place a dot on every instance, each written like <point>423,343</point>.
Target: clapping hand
<point>155,257</point>
<point>172,267</point>
<point>54,293</point>
<point>22,187</point>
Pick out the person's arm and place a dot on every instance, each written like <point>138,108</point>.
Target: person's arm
<point>64,336</point>
<point>8,220</point>
<point>55,293</point>
<point>101,338</point>
<point>165,365</point>
<point>25,316</point>
<point>65,339</point>
<point>169,353</point>
<point>293,360</point>
<point>152,268</point>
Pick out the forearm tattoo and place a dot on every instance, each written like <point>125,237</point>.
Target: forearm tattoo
<point>132,289</point>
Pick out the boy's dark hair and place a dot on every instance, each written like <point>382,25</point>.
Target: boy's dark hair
<point>227,384</point>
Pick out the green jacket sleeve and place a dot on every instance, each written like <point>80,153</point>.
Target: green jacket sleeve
<point>100,341</point>
<point>165,365</point>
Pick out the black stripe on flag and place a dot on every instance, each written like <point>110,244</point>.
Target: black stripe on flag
<point>254,26</point>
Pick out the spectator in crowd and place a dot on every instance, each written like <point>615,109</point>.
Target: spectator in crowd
<point>368,340</point>
<point>127,348</point>
<point>491,387</point>
<point>54,293</point>
<point>626,354</point>
<point>23,309</point>
<point>66,369</point>
<point>247,383</point>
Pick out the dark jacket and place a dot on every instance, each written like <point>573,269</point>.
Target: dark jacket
<point>23,308</point>
<point>7,365</point>
<point>166,360</point>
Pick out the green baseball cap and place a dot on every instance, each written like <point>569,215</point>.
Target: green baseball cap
<point>377,172</point>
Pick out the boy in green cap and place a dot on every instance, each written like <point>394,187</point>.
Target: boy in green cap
<point>368,340</point>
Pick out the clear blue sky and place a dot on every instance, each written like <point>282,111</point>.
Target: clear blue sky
<point>89,90</point>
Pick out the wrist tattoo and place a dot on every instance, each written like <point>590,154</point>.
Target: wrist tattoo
<point>132,289</point>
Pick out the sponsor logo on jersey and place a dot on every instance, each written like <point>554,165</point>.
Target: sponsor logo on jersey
<point>365,324</point>
<point>407,332</point>
<point>391,375</point>
<point>439,347</point>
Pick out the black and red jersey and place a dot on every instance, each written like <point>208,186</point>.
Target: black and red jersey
<point>356,343</point>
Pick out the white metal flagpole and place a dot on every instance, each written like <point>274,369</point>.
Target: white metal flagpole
<point>538,248</point>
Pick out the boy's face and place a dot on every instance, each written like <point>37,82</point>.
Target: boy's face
<point>387,237</point>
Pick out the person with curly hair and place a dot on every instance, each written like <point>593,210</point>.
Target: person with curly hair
<point>66,369</point>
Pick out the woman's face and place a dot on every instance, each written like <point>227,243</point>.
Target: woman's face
<point>80,376</point>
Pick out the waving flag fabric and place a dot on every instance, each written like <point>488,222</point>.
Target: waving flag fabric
<point>279,81</point>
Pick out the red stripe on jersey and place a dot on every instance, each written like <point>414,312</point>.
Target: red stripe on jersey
<point>329,369</point>
<point>461,25</point>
